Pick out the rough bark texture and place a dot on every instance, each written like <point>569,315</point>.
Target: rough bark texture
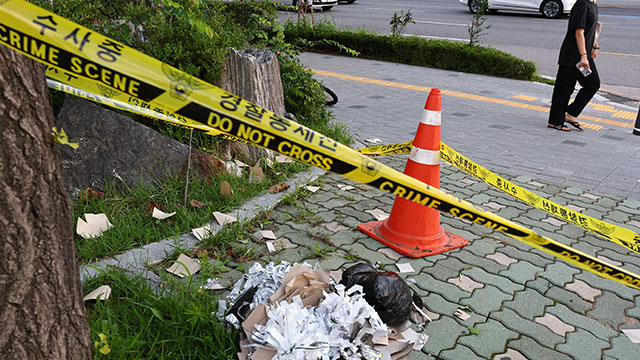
<point>41,311</point>
<point>253,75</point>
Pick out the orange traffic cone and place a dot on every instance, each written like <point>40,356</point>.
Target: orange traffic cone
<point>413,229</point>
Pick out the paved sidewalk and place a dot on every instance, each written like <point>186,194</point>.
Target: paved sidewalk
<point>499,123</point>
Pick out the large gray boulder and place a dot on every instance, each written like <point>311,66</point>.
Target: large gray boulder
<point>112,146</point>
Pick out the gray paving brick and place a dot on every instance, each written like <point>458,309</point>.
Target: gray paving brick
<point>559,273</point>
<point>486,300</point>
<point>502,283</point>
<point>447,268</point>
<point>477,261</point>
<point>581,321</point>
<point>459,352</point>
<point>526,327</point>
<point>443,334</point>
<point>449,291</point>
<point>598,282</point>
<point>535,257</point>
<point>539,284</point>
<point>533,350</point>
<point>483,247</point>
<point>492,339</point>
<point>529,304</point>
<point>570,299</point>
<point>610,309</point>
<point>583,345</point>
<point>621,348</point>
<point>521,272</point>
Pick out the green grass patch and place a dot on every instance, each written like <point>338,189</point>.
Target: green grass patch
<point>174,322</point>
<point>128,209</point>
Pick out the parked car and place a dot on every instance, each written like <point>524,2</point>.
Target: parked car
<point>548,8</point>
<point>323,5</point>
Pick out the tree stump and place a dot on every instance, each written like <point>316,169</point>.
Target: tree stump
<point>254,75</point>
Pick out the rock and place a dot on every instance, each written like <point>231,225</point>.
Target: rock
<point>112,146</point>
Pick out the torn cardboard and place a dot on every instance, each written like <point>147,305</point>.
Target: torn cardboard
<point>184,266</point>
<point>94,226</point>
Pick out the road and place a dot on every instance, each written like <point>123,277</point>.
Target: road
<point>527,36</point>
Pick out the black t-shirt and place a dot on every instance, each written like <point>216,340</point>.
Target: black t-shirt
<point>584,15</point>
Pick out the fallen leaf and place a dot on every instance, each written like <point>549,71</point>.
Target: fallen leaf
<point>152,205</point>
<point>278,188</point>
<point>474,331</point>
<point>226,190</point>
<point>197,204</point>
<point>89,194</point>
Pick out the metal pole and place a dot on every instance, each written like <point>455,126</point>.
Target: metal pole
<point>636,127</point>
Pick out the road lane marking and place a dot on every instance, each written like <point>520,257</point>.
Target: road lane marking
<point>525,97</point>
<point>437,37</point>
<point>464,96</point>
<point>618,54</point>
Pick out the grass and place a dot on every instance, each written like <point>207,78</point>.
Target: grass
<point>174,322</point>
<point>129,209</point>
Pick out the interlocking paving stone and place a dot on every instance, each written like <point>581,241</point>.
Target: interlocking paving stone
<point>447,268</point>
<point>521,272</point>
<point>583,345</point>
<point>581,321</point>
<point>583,290</point>
<point>493,338</point>
<point>459,352</point>
<point>483,247</point>
<point>559,273</point>
<point>535,257</point>
<point>554,324</point>
<point>570,299</point>
<point>610,309</point>
<point>346,238</point>
<point>493,205</point>
<point>485,300</point>
<point>621,348</point>
<point>443,334</point>
<point>430,284</point>
<point>510,354</point>
<point>591,196</point>
<point>529,303</point>
<point>526,327</point>
<point>531,349</point>
<point>334,226</point>
<point>440,306</point>
<point>554,221</point>
<point>418,355</point>
<point>391,254</point>
<point>576,208</point>
<point>501,259</point>
<point>367,254</point>
<point>619,289</point>
<point>479,261</point>
<point>465,283</point>
<point>502,283</point>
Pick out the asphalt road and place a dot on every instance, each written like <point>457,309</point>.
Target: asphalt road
<point>525,35</point>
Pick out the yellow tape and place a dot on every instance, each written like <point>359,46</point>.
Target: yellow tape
<point>389,149</point>
<point>79,52</point>
<point>617,234</point>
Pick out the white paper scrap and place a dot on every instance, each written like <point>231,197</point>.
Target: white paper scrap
<point>270,246</point>
<point>632,334</point>
<point>184,266</point>
<point>240,164</point>
<point>345,187</point>
<point>378,214</point>
<point>223,219</point>
<point>213,284</point>
<point>461,314</point>
<point>264,234</point>
<point>313,189</point>
<point>283,159</point>
<point>405,268</point>
<point>203,232</point>
<point>101,293</point>
<point>94,225</point>
<point>373,141</point>
<point>157,214</point>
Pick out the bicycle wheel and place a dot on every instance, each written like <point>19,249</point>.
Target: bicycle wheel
<point>332,98</point>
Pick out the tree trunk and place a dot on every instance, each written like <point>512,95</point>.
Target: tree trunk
<point>42,315</point>
<point>254,75</point>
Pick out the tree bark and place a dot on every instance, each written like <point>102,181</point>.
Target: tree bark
<point>42,315</point>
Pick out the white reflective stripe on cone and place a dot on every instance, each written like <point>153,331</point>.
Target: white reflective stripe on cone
<point>430,117</point>
<point>426,157</point>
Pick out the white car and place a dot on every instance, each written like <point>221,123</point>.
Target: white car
<point>323,5</point>
<point>548,8</point>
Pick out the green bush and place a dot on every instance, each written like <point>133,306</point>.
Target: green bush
<point>413,50</point>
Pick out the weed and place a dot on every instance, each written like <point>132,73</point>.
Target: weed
<point>321,253</point>
<point>399,22</point>
<point>477,27</point>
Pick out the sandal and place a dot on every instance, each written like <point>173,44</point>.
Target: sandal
<point>575,124</point>
<point>559,127</point>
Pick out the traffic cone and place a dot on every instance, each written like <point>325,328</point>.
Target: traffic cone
<point>412,229</point>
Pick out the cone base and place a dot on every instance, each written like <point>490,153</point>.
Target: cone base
<point>410,245</point>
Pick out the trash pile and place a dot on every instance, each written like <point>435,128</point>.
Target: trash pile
<point>295,312</point>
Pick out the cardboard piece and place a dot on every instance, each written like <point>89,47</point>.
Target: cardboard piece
<point>223,219</point>
<point>157,214</point>
<point>283,159</point>
<point>264,234</point>
<point>94,226</point>
<point>226,190</point>
<point>633,335</point>
<point>405,268</point>
<point>378,214</point>
<point>101,293</point>
<point>255,174</point>
<point>203,232</point>
<point>336,275</point>
<point>184,266</point>
<point>345,187</point>
<point>271,247</point>
<point>313,189</point>
<point>461,314</point>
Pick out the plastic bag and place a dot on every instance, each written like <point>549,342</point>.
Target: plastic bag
<point>387,292</point>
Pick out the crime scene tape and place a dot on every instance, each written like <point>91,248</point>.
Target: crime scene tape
<point>614,233</point>
<point>79,52</point>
